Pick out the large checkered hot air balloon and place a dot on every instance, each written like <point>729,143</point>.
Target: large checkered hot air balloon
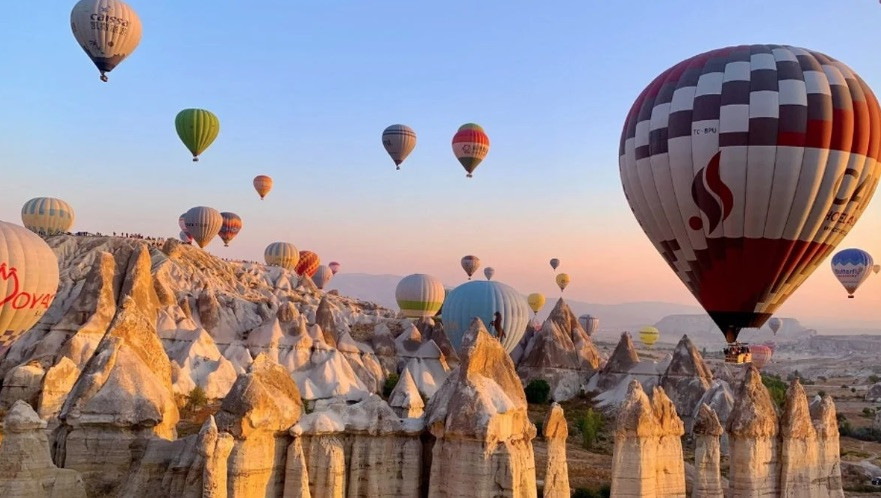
<point>746,166</point>
<point>470,145</point>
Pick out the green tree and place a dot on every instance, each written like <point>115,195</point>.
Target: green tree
<point>390,382</point>
<point>537,391</point>
<point>590,424</point>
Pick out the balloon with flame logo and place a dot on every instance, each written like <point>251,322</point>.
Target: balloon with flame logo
<point>745,167</point>
<point>108,31</point>
<point>488,272</point>
<point>649,335</point>
<point>334,267</point>
<point>28,281</point>
<point>322,276</point>
<point>775,324</point>
<point>262,184</point>
<point>232,225</point>
<point>852,267</point>
<point>308,263</point>
<point>482,299</point>
<point>47,216</point>
<point>283,254</point>
<point>555,263</point>
<point>185,237</point>
<point>399,141</point>
<point>562,281</point>
<point>470,145</point>
<point>470,264</point>
<point>203,223</point>
<point>536,302</point>
<point>761,355</point>
<point>420,295</point>
<point>589,323</point>
<point>197,129</point>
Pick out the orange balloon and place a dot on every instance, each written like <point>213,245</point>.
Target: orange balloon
<point>308,264</point>
<point>262,184</point>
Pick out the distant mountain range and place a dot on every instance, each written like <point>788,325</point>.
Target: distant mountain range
<point>614,318</point>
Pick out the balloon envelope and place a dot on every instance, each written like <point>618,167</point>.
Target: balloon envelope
<point>185,237</point>
<point>488,272</point>
<point>262,184</point>
<point>399,141</point>
<point>470,264</point>
<point>562,281</point>
<point>536,301</point>
<point>107,30</point>
<point>876,269</point>
<point>47,216</point>
<point>589,323</point>
<point>745,167</point>
<point>649,335</point>
<point>419,295</point>
<point>555,263</point>
<point>283,254</point>
<point>470,145</point>
<point>852,267</point>
<point>197,129</point>
<point>232,225</point>
<point>775,324</point>
<point>334,267</point>
<point>482,298</point>
<point>28,280</point>
<point>203,223</point>
<point>322,276</point>
<point>308,264</point>
<point>761,355</point>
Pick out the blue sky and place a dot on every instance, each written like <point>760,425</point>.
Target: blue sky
<point>304,89</point>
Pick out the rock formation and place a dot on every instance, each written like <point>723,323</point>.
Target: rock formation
<point>753,430</point>
<point>670,473</point>
<point>26,469</point>
<point>405,398</point>
<point>555,431</point>
<point>707,431</point>
<point>828,450</point>
<point>553,359</point>
<point>634,457</point>
<point>483,443</point>
<point>687,378</point>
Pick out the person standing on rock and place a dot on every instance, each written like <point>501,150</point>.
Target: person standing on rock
<point>497,325</point>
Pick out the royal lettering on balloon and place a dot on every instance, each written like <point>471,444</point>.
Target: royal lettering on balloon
<point>19,299</point>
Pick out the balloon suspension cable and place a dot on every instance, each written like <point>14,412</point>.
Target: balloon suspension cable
<point>104,77</point>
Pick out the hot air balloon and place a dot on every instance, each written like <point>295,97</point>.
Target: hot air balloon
<point>589,323</point>
<point>649,335</point>
<point>231,226</point>
<point>262,184</point>
<point>470,264</point>
<point>745,167</point>
<point>562,281</point>
<point>203,223</point>
<point>334,267</point>
<point>761,355</point>
<point>283,254</point>
<point>851,267</point>
<point>536,301</point>
<point>185,237</point>
<point>770,345</point>
<point>197,129</point>
<point>308,264</point>
<point>47,216</point>
<point>182,222</point>
<point>482,298</point>
<point>108,30</point>
<point>28,280</point>
<point>470,145</point>
<point>775,324</point>
<point>420,295</point>
<point>322,276</point>
<point>555,263</point>
<point>399,141</point>
<point>488,272</point>
<point>876,269</point>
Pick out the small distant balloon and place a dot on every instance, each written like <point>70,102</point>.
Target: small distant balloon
<point>555,263</point>
<point>470,264</point>
<point>470,145</point>
<point>649,335</point>
<point>47,216</point>
<point>775,324</point>
<point>488,272</point>
<point>852,267</point>
<point>562,281</point>
<point>334,267</point>
<point>536,301</point>
<point>761,355</point>
<point>262,184</point>
<point>309,262</point>
<point>399,141</point>
<point>589,323</point>
<point>283,254</point>
<point>197,129</point>
<point>107,30</point>
<point>420,295</point>
<point>876,269</point>
<point>322,276</point>
<point>232,225</point>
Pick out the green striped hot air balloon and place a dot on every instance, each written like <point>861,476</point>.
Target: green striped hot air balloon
<point>419,295</point>
<point>197,129</point>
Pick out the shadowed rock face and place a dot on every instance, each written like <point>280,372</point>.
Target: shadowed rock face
<point>589,357</point>
<point>707,454</point>
<point>623,358</point>
<point>484,438</point>
<point>687,378</point>
<point>553,359</point>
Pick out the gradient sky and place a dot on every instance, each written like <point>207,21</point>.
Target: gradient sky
<point>304,89</point>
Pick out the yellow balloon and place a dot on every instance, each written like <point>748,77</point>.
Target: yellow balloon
<point>563,280</point>
<point>649,335</point>
<point>536,301</point>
